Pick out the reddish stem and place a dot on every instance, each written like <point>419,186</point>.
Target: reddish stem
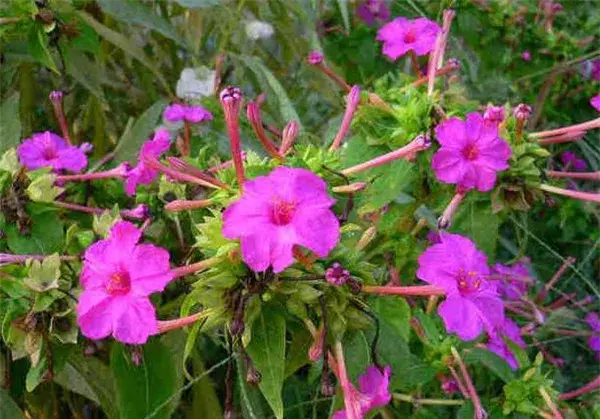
<point>582,196</point>
<point>422,290</point>
<point>168,325</point>
<point>562,138</point>
<point>584,126</point>
<point>588,388</point>
<point>573,175</point>
<point>195,267</point>
<point>185,205</point>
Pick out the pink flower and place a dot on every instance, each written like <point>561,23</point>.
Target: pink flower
<point>46,149</point>
<point>593,321</point>
<point>336,274</point>
<point>472,303</point>
<point>288,207</point>
<point>402,35</point>
<point>373,11</point>
<point>471,153</point>
<point>373,391</point>
<point>497,344</point>
<point>449,385</point>
<point>315,57</point>
<point>522,111</point>
<point>118,276</point>
<point>526,55</point>
<point>142,174</point>
<point>595,102</point>
<point>193,114</point>
<point>494,114</point>
<point>595,74</point>
<point>513,280</point>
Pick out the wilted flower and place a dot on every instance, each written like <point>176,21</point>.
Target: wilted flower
<point>256,29</point>
<point>526,55</point>
<point>448,385</point>
<point>373,11</point>
<point>195,83</point>
<point>570,160</point>
<point>142,174</point>
<point>494,114</point>
<point>118,276</point>
<point>595,102</point>
<point>497,344</point>
<point>315,57</point>
<point>471,153</point>
<point>276,212</point>
<point>373,391</point>
<point>513,280</point>
<point>472,303</point>
<point>192,114</point>
<point>336,274</point>
<point>593,321</point>
<point>595,73</point>
<point>402,35</point>
<point>46,149</point>
<point>522,112</point>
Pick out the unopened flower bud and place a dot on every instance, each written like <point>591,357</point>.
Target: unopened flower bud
<point>288,136</point>
<point>86,147</point>
<point>522,112</point>
<point>315,57</point>
<point>454,62</point>
<point>337,275</point>
<point>56,96</point>
<point>366,238</point>
<point>138,213</point>
<point>494,114</point>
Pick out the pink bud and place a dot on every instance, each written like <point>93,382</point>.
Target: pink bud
<point>315,57</point>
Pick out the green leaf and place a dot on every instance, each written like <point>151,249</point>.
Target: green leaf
<point>476,221</point>
<point>46,235</point>
<point>9,162</point>
<point>491,361</point>
<point>466,411</point>
<point>42,188</point>
<point>125,44</point>
<point>143,390</point>
<point>99,378</point>
<point>267,350</point>
<point>130,12</point>
<point>71,379</point>
<point>343,5</point>
<point>193,4</point>
<point>9,409</point>
<point>133,138</point>
<point>36,373</point>
<point>85,71</point>
<point>10,124</point>
<point>205,403</point>
<point>390,186</point>
<point>357,355</point>
<point>37,45</point>
<point>394,311</point>
<point>288,112</point>
<point>43,275</point>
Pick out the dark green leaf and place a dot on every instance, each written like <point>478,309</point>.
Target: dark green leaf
<point>144,390</point>
<point>46,237</point>
<point>343,5</point>
<point>85,71</point>
<point>72,380</point>
<point>136,12</point>
<point>476,221</point>
<point>8,408</point>
<point>395,311</point>
<point>267,350</point>
<point>10,124</point>
<point>389,186</point>
<point>37,373</point>
<point>37,44</point>
<point>492,361</point>
<point>192,4</point>
<point>133,137</point>
<point>357,355</point>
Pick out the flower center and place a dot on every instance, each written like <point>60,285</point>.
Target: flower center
<point>119,283</point>
<point>49,153</point>
<point>470,152</point>
<point>282,212</point>
<point>468,282</point>
<point>409,37</point>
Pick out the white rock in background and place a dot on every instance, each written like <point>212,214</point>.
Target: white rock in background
<point>257,29</point>
<point>195,83</point>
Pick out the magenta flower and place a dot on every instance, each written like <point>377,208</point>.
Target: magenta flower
<point>471,153</point>
<point>373,11</point>
<point>570,160</point>
<point>402,35</point>
<point>595,102</point>
<point>315,57</point>
<point>288,207</point>
<point>46,149</point>
<point>336,274</point>
<point>593,321</point>
<point>193,114</point>
<point>513,281</point>
<point>118,276</point>
<point>522,111</point>
<point>595,74</point>
<point>494,114</point>
<point>472,303</point>
<point>497,344</point>
<point>373,391</point>
<point>448,385</point>
<point>526,55</point>
<point>142,174</point>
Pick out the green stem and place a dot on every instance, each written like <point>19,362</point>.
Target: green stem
<point>440,402</point>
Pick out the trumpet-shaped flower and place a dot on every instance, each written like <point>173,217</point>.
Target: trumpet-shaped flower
<point>402,35</point>
<point>472,303</point>
<point>471,153</point>
<point>118,276</point>
<point>142,174</point>
<point>498,345</point>
<point>373,391</point>
<point>288,207</point>
<point>46,149</point>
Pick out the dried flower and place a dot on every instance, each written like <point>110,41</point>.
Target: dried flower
<point>118,276</point>
<point>522,112</point>
<point>46,149</point>
<point>472,152</point>
<point>402,35</point>
<point>276,212</point>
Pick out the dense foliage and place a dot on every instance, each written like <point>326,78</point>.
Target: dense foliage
<point>299,209</point>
